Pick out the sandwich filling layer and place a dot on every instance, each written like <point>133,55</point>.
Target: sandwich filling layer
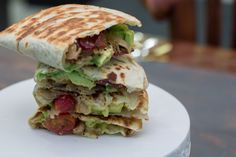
<point>99,49</point>
<point>120,72</point>
<point>91,126</point>
<point>100,103</point>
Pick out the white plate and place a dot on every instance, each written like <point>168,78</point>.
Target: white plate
<point>166,130</point>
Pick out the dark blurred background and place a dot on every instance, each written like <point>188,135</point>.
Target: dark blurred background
<point>14,10</point>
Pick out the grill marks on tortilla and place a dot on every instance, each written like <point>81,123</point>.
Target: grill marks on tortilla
<point>34,28</point>
<point>112,76</point>
<point>122,76</point>
<point>15,26</point>
<point>143,100</point>
<point>10,29</point>
<point>64,23</point>
<point>55,31</point>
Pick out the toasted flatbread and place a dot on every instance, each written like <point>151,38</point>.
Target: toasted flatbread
<point>48,35</point>
<point>132,104</point>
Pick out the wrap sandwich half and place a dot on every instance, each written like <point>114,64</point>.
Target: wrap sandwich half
<point>72,35</point>
<point>87,83</point>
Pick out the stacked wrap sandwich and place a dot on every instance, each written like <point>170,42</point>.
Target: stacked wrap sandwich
<point>87,83</point>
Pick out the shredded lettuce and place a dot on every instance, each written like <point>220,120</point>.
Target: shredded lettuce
<point>71,67</point>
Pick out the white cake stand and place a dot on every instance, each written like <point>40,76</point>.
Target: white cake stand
<point>165,134</point>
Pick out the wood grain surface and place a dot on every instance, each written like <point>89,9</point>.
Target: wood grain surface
<point>192,55</point>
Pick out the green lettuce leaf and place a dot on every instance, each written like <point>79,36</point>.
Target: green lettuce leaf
<point>80,79</point>
<point>76,77</point>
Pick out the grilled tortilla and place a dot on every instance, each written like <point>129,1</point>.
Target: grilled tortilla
<point>90,126</point>
<point>124,104</point>
<point>58,36</point>
<point>87,82</point>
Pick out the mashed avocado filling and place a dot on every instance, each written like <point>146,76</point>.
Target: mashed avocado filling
<point>94,128</point>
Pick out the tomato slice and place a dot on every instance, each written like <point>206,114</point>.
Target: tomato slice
<point>87,43</point>
<point>101,41</point>
<point>61,124</point>
<point>64,103</point>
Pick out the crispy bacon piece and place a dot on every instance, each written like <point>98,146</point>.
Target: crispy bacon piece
<point>107,81</point>
<point>101,41</point>
<point>90,43</point>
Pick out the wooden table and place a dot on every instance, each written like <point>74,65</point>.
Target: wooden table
<point>208,90</point>
<point>192,55</point>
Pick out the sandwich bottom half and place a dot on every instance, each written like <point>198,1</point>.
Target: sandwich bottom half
<point>84,125</point>
<point>64,112</point>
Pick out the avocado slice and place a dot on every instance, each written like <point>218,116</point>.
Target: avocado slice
<point>116,108</point>
<point>102,57</point>
<point>122,31</point>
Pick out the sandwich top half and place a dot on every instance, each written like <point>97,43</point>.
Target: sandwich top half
<point>87,81</point>
<point>72,36</point>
